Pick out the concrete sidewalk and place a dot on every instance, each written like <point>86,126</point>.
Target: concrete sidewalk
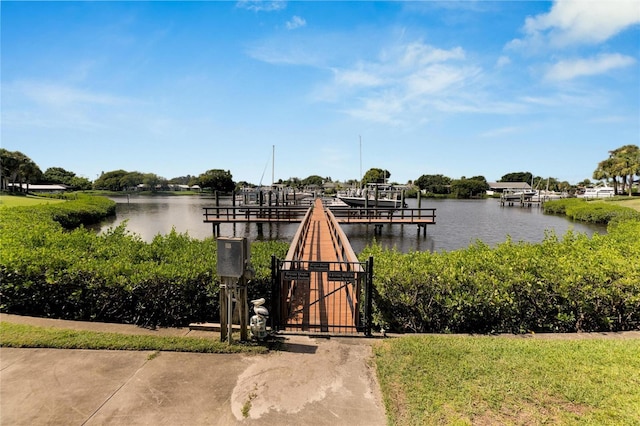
<point>312,381</point>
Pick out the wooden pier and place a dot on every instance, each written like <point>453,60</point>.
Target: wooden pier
<point>320,280</point>
<point>321,286</point>
<point>377,216</point>
<point>522,201</point>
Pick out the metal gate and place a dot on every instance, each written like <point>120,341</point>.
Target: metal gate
<point>326,297</point>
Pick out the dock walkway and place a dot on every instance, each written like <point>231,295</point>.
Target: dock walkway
<point>322,302</point>
<point>321,285</point>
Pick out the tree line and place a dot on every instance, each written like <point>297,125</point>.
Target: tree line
<point>619,168</point>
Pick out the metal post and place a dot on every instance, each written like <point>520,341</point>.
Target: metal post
<point>369,298</point>
<point>223,310</point>
<point>243,309</point>
<point>233,202</point>
<point>275,295</point>
<point>229,310</point>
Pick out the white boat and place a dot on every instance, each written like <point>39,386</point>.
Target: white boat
<point>518,195</point>
<point>370,202</point>
<point>376,195</point>
<point>546,195</point>
<point>277,196</point>
<point>599,191</point>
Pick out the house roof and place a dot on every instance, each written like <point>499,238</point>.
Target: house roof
<point>508,185</point>
<point>35,187</point>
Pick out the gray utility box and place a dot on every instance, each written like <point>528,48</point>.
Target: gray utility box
<point>233,256</point>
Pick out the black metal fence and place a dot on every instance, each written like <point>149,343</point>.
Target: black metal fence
<point>325,297</point>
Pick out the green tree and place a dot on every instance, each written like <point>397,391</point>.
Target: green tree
<point>29,173</point>
<point>375,175</point>
<point>467,188</point>
<point>182,180</point>
<point>131,180</point>
<point>17,168</point>
<point>293,182</point>
<point>626,161</point>
<point>110,181</point>
<point>313,180</point>
<point>58,175</point>
<point>435,184</point>
<point>80,183</point>
<point>217,180</point>
<point>517,177</point>
<point>623,163</point>
<point>9,167</point>
<point>154,182</point>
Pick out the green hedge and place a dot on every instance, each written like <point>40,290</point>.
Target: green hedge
<point>46,270</point>
<point>575,283</point>
<point>572,283</point>
<point>593,211</point>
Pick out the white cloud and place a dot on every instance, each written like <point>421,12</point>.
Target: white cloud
<point>571,22</point>
<point>59,95</point>
<point>356,78</point>
<point>420,54</point>
<point>570,69</point>
<point>262,5</point>
<point>503,61</point>
<point>48,105</point>
<point>500,132</point>
<point>296,22</point>
<point>402,82</point>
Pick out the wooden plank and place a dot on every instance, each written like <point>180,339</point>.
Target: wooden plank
<point>322,304</point>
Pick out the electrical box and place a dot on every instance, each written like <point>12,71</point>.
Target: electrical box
<point>233,256</point>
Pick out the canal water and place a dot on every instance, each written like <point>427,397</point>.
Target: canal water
<point>459,223</point>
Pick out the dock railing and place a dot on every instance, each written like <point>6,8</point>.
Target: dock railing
<point>287,214</point>
<point>296,249</point>
<point>377,215</point>
<point>341,244</point>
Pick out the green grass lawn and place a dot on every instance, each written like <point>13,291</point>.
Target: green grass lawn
<point>631,202</point>
<point>28,336</point>
<point>487,380</point>
<point>17,201</point>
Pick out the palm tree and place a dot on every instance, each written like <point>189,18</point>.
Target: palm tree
<point>29,172</point>
<point>627,164</point>
<point>605,171</point>
<point>623,162</point>
<point>17,167</point>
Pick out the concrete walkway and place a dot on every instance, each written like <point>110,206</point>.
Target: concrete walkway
<point>315,381</point>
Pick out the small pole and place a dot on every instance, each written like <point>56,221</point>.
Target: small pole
<point>233,203</point>
<point>229,311</point>
<point>243,309</point>
<point>369,298</point>
<point>223,310</point>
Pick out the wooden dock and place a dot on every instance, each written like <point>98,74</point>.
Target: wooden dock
<point>321,286</point>
<point>321,303</point>
<point>377,216</point>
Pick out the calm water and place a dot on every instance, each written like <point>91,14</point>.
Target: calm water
<point>458,223</point>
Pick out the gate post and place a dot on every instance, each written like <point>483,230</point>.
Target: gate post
<point>275,295</point>
<point>368,298</point>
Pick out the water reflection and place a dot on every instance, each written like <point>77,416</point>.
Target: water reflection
<point>458,223</point>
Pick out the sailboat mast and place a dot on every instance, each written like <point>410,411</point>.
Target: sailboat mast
<point>273,165</point>
<point>361,177</point>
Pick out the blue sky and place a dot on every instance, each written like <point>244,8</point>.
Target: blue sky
<point>454,88</point>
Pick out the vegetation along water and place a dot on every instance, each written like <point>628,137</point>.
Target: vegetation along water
<point>51,265</point>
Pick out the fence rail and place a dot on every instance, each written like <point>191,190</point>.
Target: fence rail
<point>379,215</point>
<point>286,214</point>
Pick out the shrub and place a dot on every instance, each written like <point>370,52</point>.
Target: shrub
<point>595,211</point>
<point>76,274</point>
<point>571,284</point>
